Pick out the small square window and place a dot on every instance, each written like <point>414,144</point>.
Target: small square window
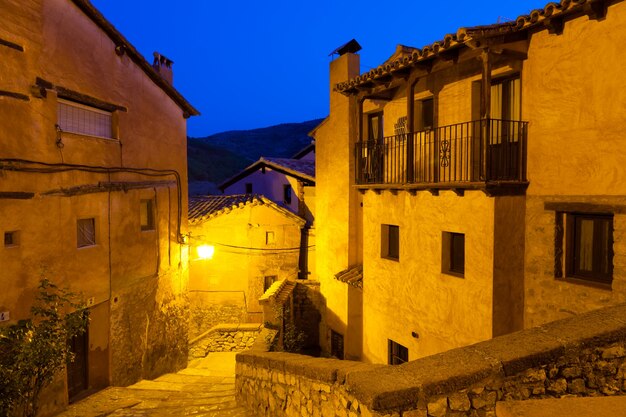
<point>398,354</point>
<point>269,238</point>
<point>589,247</point>
<point>11,239</point>
<point>453,254</point>
<point>287,194</point>
<point>390,242</point>
<point>248,188</point>
<point>86,232</point>
<point>146,214</point>
<point>336,344</point>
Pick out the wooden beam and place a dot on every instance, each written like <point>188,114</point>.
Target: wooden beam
<point>16,195</point>
<point>510,53</point>
<point>449,55</point>
<point>555,25</point>
<point>11,45</point>
<point>79,97</point>
<point>485,107</point>
<point>596,9</point>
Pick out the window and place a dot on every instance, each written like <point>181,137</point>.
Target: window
<point>589,247</point>
<point>424,114</point>
<point>11,239</point>
<point>86,232</point>
<point>269,238</point>
<point>248,188</point>
<point>287,194</point>
<point>85,120</point>
<point>390,242</point>
<point>336,344</point>
<point>146,214</point>
<point>375,126</point>
<point>453,254</point>
<point>268,281</point>
<point>398,354</point>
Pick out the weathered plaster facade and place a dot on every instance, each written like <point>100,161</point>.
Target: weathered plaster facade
<point>132,277</point>
<point>499,165</point>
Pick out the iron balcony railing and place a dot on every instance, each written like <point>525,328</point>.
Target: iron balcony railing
<point>478,151</point>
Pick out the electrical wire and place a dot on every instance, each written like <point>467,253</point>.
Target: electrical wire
<point>53,168</point>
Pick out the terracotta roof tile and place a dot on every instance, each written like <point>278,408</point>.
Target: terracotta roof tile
<point>207,206</point>
<point>461,37</point>
<point>352,276</point>
<point>303,167</point>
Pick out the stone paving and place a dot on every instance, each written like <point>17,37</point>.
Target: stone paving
<point>206,388</point>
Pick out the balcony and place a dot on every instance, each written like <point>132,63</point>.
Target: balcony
<point>487,154</point>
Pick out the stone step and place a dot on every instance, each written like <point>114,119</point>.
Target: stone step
<point>564,407</point>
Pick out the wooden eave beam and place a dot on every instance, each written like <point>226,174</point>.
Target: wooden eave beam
<point>554,25</point>
<point>596,9</point>
<point>450,55</point>
<point>510,53</point>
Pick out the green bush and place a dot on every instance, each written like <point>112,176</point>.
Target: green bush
<point>33,351</point>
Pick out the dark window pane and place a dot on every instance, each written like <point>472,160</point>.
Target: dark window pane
<point>86,232</point>
<point>394,242</point>
<point>457,253</point>
<point>428,114</point>
<point>287,194</point>
<point>591,243</point>
<point>398,354</point>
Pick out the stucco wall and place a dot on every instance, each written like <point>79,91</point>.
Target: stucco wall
<point>269,184</point>
<point>336,201</point>
<point>141,276</point>
<point>446,311</point>
<point>576,152</point>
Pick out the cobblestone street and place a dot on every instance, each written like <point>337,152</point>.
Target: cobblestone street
<point>206,389</point>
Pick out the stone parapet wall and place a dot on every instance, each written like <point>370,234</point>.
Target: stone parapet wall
<point>581,356</point>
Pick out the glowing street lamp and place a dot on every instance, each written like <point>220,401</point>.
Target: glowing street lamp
<point>205,251</point>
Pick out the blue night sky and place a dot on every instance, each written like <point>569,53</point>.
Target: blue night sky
<point>247,64</point>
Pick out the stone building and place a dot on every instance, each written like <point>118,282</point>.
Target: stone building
<point>290,183</point>
<point>239,246</point>
<point>93,189</point>
<point>474,187</point>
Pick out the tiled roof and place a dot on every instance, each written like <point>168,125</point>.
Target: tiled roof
<point>205,207</point>
<point>352,276</point>
<point>551,13</point>
<point>302,167</point>
<point>303,170</point>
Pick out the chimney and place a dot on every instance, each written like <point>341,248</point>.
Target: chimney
<point>163,66</point>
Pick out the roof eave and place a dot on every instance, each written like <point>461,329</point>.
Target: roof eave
<point>98,18</point>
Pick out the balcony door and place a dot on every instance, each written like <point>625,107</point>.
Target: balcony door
<point>505,129</point>
<point>425,152</point>
<point>374,149</point>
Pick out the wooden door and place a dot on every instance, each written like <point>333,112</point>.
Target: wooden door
<point>77,370</point>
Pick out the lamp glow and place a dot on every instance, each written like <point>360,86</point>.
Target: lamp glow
<point>205,251</point>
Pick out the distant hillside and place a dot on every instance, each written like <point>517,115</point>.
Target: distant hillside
<point>214,158</point>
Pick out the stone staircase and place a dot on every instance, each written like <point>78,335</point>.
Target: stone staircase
<point>206,389</point>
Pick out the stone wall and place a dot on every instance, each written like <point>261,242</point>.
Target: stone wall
<point>224,338</point>
<point>579,356</point>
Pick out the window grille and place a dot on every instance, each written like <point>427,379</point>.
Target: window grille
<point>85,120</point>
